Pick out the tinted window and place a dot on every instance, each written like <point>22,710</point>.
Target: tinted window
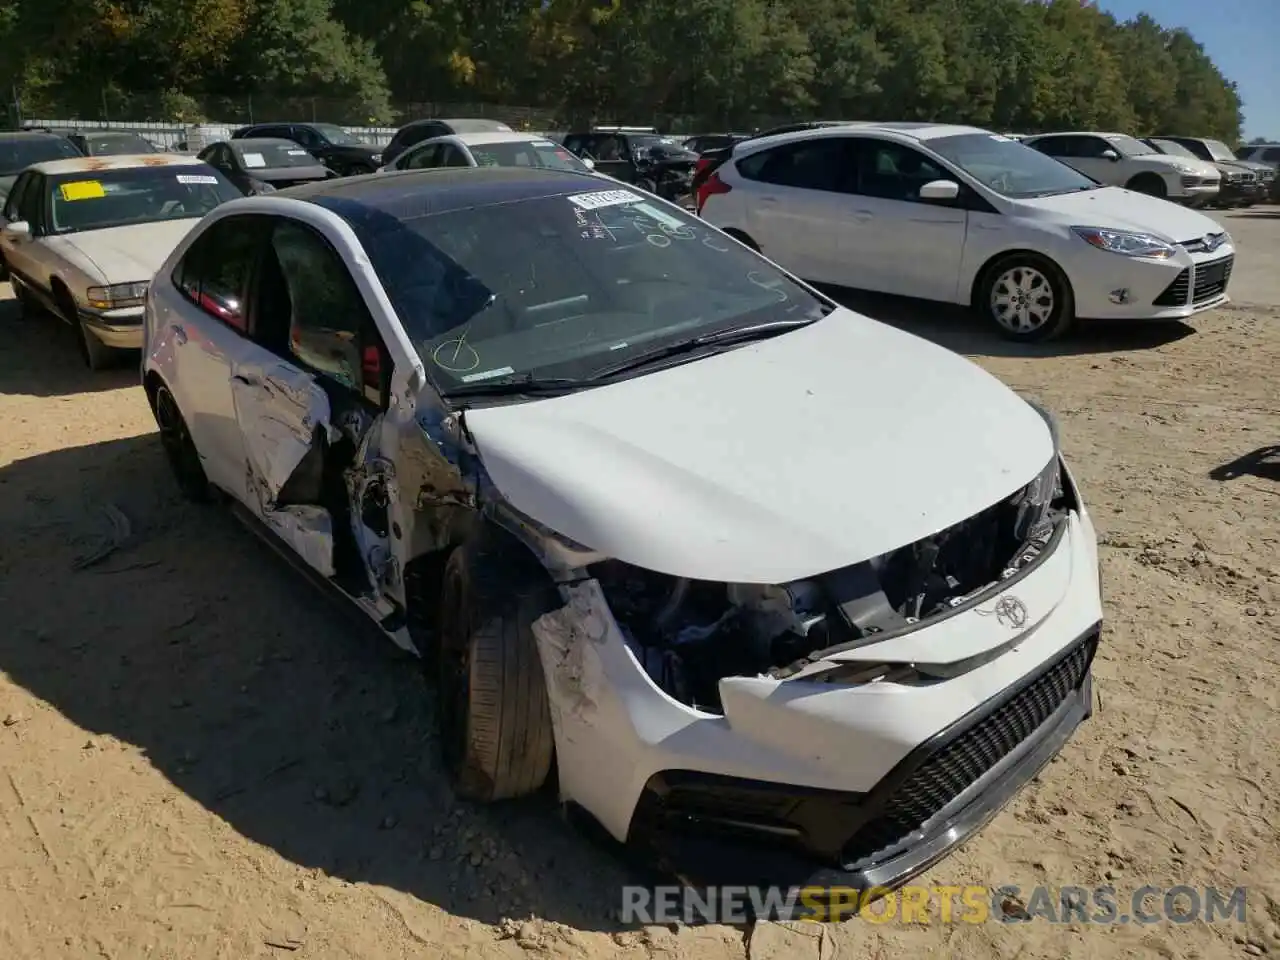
<point>1054,146</point>
<point>422,158</point>
<point>824,163</point>
<point>335,134</point>
<point>19,152</point>
<point>272,154</point>
<point>530,153</point>
<point>1009,167</point>
<point>1271,154</point>
<point>891,171</point>
<point>104,145</point>
<point>117,198</point>
<point>451,156</point>
<point>564,285</point>
<point>31,203</point>
<point>326,312</point>
<point>13,201</point>
<point>214,274</point>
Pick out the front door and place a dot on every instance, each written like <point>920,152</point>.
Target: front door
<point>23,205</point>
<point>898,242</point>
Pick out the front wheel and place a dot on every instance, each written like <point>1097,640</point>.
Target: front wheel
<point>495,719</point>
<point>1027,297</point>
<point>179,448</point>
<point>1150,184</point>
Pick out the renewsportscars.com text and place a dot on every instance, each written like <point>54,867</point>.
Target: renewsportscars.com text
<point>935,904</point>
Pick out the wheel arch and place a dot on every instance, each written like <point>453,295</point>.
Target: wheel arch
<point>984,271</point>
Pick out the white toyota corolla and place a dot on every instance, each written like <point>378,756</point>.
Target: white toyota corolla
<point>967,216</point>
<point>654,508</point>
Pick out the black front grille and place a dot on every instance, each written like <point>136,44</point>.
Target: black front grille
<point>1175,294</point>
<point>1211,279</point>
<point>954,766</point>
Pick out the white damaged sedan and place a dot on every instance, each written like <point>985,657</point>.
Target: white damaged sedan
<point>786,595</point>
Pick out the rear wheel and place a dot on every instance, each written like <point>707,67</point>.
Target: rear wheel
<point>495,720</point>
<point>179,448</point>
<point>1027,297</point>
<point>1150,184</point>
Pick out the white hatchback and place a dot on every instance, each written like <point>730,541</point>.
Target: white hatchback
<point>963,215</point>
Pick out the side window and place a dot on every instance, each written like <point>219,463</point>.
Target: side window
<point>1053,146</point>
<point>423,158</point>
<point>13,205</point>
<point>31,203</point>
<point>451,156</point>
<point>214,274</point>
<point>891,171</point>
<point>418,134</point>
<point>305,136</point>
<point>575,144</point>
<point>1271,155</point>
<point>330,331</point>
<point>824,163</point>
<point>1090,148</point>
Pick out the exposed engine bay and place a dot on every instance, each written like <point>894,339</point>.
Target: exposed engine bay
<point>688,635</point>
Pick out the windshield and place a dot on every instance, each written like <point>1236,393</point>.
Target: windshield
<point>565,286</point>
<point>272,154</point>
<point>106,146</point>
<point>1129,147</point>
<point>530,153</point>
<point>643,142</point>
<point>18,153</point>
<point>102,199</point>
<point>1008,166</point>
<point>1172,149</point>
<point>1220,151</point>
<point>336,135</point>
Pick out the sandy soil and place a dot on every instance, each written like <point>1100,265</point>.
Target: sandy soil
<point>198,759</point>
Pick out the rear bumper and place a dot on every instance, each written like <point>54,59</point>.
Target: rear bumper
<point>710,832</point>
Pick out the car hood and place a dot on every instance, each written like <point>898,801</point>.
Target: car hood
<point>774,461</point>
<point>1258,168</point>
<point>1118,209</point>
<point>1199,168</point>
<point>129,254</point>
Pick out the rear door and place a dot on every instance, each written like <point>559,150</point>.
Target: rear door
<point>205,328</point>
<point>896,242</point>
<point>800,196</point>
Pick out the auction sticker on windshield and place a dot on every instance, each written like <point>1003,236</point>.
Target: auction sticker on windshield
<point>82,190</point>
<point>188,178</point>
<point>254,160</point>
<point>603,198</point>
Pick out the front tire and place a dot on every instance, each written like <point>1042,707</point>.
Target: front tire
<point>1027,297</point>
<point>495,719</point>
<point>1150,184</point>
<point>95,354</point>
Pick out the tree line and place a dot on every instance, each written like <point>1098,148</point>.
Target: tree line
<point>1017,65</point>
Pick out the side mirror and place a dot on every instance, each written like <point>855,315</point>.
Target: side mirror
<point>19,228</point>
<point>940,190</point>
<point>590,164</point>
<point>1110,155</point>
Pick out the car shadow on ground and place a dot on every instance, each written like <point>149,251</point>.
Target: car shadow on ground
<point>43,359</point>
<point>961,330</point>
<point>171,627</point>
<point>1256,215</point>
<point>1263,463</point>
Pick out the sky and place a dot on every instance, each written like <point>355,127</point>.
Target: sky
<point>1240,36</point>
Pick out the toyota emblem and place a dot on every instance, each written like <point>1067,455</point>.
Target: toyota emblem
<point>1011,612</point>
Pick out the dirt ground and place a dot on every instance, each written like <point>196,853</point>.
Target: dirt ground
<point>199,758</point>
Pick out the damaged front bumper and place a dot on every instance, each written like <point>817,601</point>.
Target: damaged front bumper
<point>825,783</point>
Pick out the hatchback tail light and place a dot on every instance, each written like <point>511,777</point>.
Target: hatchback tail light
<point>710,187</point>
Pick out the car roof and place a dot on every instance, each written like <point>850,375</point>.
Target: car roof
<point>461,124</point>
<point>109,133</point>
<point>246,143</point>
<point>478,139</point>
<point>409,194</point>
<point>905,130</point>
<point>1078,133</point>
<point>31,135</point>
<point>125,161</point>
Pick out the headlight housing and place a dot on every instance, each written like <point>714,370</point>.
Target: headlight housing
<point>1126,243</point>
<point>117,295</point>
<point>376,158</point>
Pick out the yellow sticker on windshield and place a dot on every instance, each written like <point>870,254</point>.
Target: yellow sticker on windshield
<point>82,190</point>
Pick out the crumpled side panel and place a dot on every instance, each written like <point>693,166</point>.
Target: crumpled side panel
<point>279,415</point>
<point>566,638</point>
<point>309,530</point>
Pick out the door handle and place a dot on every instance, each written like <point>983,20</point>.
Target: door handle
<point>179,334</point>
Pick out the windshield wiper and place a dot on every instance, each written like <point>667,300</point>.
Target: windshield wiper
<point>757,331</point>
<point>524,385</point>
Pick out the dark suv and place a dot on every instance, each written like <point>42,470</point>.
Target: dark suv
<point>416,131</point>
<point>649,160</point>
<point>342,152</point>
